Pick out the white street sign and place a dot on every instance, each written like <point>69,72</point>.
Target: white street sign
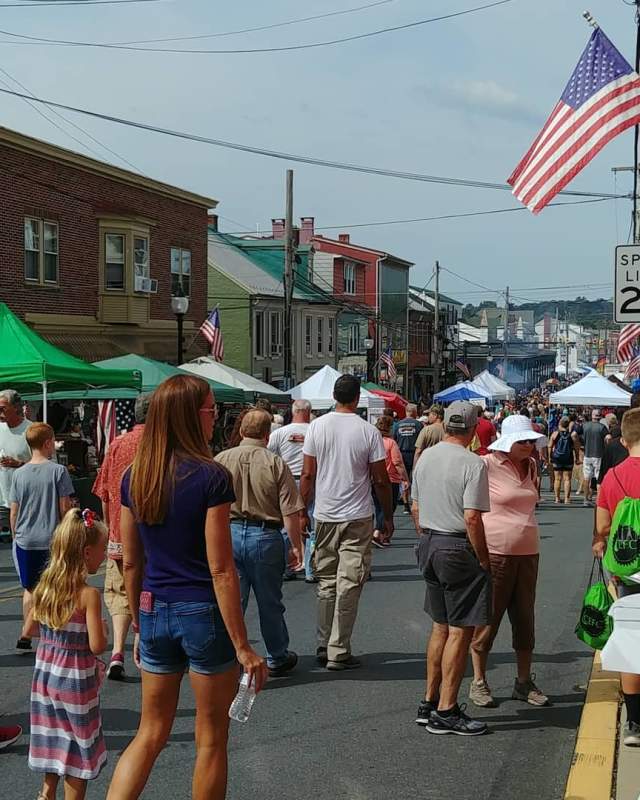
<point>626,307</point>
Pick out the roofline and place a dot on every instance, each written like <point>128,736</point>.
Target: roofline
<point>379,253</point>
<point>53,152</point>
<point>445,297</point>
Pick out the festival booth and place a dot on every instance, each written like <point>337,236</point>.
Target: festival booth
<point>318,390</point>
<point>252,388</point>
<point>592,390</point>
<point>493,387</point>
<point>461,391</point>
<point>392,400</point>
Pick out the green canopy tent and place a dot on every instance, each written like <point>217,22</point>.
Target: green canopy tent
<point>153,374</point>
<point>26,360</point>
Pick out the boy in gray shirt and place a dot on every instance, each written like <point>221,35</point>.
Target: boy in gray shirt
<point>40,496</point>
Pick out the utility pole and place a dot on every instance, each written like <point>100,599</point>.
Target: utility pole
<point>436,323</point>
<point>288,281</point>
<point>566,344</point>
<point>505,338</point>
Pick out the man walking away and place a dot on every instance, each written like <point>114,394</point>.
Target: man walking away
<point>594,435</point>
<point>287,443</point>
<point>406,432</point>
<point>40,496</point>
<point>107,487</point>
<point>267,499</point>
<point>343,455</point>
<point>14,450</point>
<point>432,434</point>
<point>450,492</point>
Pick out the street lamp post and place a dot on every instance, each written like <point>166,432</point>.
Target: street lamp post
<point>180,306</point>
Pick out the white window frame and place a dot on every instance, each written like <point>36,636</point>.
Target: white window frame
<point>181,257</point>
<point>275,327</point>
<point>121,235</point>
<point>319,335</point>
<point>331,335</point>
<point>259,326</point>
<point>354,338</point>
<point>349,277</point>
<point>308,336</point>
<point>41,279</point>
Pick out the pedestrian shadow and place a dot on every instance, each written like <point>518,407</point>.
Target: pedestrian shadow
<point>18,660</point>
<point>391,568</point>
<point>564,713</point>
<point>567,657</point>
<point>10,617</point>
<point>394,578</point>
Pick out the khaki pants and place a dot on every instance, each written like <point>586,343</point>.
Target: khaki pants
<point>341,562</point>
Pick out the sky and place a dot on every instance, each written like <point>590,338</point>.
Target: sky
<point>460,98</point>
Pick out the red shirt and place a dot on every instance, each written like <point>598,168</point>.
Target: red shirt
<point>119,458</point>
<point>621,481</point>
<point>486,432</point>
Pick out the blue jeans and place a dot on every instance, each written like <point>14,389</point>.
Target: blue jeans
<point>259,554</point>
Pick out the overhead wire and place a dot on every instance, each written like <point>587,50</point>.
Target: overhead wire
<point>251,50</point>
<point>290,156</point>
<point>31,4</point>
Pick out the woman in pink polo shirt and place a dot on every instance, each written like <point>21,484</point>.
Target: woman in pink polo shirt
<point>511,532</point>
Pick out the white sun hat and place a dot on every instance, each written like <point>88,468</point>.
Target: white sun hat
<point>515,428</point>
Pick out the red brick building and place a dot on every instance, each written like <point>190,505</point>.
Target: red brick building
<point>91,254</point>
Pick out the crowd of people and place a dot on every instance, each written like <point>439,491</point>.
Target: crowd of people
<point>189,535</point>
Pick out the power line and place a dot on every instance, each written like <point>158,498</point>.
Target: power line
<point>273,25</point>
<point>292,157</point>
<point>37,3</point>
<point>245,51</point>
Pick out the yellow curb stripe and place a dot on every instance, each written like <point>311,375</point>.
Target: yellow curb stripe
<point>593,762</point>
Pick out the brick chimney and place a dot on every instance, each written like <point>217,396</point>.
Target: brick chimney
<point>212,221</point>
<point>277,228</point>
<point>306,229</point>
<point>345,238</point>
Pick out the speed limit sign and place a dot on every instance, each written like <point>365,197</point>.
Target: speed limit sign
<point>626,307</point>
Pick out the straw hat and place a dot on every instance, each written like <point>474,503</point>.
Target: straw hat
<point>515,428</point>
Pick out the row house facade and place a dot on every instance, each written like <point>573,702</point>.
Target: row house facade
<point>245,283</point>
<point>91,254</point>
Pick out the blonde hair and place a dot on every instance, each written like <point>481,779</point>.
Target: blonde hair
<point>631,426</point>
<point>56,595</point>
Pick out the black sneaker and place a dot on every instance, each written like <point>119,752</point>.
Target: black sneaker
<point>457,722</point>
<point>321,655</point>
<point>290,576</point>
<point>24,645</point>
<point>282,669</point>
<point>424,711</point>
<point>345,663</point>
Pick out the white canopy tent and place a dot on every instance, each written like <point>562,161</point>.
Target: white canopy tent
<point>592,390</point>
<point>318,390</point>
<point>211,369</point>
<point>495,387</point>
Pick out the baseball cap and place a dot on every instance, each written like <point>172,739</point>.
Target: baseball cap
<point>461,416</point>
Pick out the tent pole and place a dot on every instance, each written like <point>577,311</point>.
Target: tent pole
<point>44,401</point>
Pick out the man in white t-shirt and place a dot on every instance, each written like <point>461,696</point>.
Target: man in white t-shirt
<point>287,442</point>
<point>14,450</point>
<point>343,456</point>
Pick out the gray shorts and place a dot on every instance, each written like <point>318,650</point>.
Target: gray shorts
<point>458,589</point>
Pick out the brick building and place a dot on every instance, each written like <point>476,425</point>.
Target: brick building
<point>91,254</point>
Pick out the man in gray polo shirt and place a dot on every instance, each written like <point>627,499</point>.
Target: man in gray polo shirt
<point>450,492</point>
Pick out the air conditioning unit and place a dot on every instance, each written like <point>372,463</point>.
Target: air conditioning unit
<point>145,285</point>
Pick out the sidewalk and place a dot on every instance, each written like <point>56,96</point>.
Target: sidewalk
<point>628,771</point>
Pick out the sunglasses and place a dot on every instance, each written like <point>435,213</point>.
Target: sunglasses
<point>527,441</point>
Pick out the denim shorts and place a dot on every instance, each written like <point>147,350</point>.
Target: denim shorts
<point>175,637</point>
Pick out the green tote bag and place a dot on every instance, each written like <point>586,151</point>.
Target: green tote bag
<point>595,625</point>
<point>622,556</point>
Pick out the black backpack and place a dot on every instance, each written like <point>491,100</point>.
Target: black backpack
<point>562,449</point>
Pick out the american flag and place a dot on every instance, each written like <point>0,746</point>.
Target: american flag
<point>387,360</point>
<point>114,417</point>
<point>464,369</point>
<point>626,341</point>
<point>601,100</point>
<point>633,367</point>
<point>213,334</point>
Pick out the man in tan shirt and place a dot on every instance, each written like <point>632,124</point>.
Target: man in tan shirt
<point>267,500</point>
<point>431,434</point>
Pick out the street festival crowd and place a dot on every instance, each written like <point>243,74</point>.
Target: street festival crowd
<point>188,536</point>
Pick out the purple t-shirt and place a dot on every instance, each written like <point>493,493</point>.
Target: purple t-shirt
<point>176,568</point>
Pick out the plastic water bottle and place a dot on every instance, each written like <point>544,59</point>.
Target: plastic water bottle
<point>243,701</point>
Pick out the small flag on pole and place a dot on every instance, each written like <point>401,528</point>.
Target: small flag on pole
<point>464,369</point>
<point>387,360</point>
<point>600,364</point>
<point>212,332</point>
<point>626,341</point>
<point>633,367</point>
<point>601,100</point>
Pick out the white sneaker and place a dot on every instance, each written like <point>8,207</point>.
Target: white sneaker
<point>631,735</point>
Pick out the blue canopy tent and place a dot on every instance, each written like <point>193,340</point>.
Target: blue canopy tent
<point>458,392</point>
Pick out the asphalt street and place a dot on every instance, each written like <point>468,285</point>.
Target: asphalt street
<point>352,736</point>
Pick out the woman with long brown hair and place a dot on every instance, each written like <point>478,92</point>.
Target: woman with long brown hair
<point>182,587</point>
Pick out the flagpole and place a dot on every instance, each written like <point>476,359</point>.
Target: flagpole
<point>636,138</point>
<point>197,333</point>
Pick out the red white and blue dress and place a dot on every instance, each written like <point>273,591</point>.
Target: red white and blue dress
<point>66,728</point>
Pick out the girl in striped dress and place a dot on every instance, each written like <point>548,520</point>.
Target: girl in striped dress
<point>66,728</point>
